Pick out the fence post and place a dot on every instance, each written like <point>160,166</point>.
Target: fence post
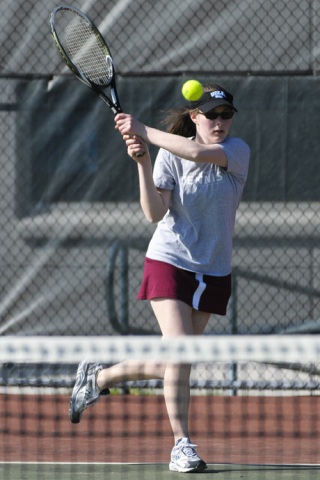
<point>233,370</point>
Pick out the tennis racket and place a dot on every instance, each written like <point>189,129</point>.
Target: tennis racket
<point>85,52</point>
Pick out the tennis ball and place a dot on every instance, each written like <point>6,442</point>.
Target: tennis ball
<point>192,90</point>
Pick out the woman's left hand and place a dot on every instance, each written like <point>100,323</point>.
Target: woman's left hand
<point>136,147</point>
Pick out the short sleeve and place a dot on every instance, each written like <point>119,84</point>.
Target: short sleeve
<point>163,175</point>
<point>238,154</point>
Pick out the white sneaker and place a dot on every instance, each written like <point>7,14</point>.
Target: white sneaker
<point>184,457</point>
<point>85,392</point>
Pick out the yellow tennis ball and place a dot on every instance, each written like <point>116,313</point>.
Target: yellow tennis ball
<point>192,90</point>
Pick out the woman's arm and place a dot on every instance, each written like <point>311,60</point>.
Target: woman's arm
<point>176,144</point>
<point>154,201</point>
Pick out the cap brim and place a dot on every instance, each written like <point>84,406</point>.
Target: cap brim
<point>206,107</point>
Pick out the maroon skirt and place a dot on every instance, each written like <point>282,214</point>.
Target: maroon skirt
<point>206,293</point>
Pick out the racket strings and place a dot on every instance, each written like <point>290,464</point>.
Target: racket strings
<point>85,48</point>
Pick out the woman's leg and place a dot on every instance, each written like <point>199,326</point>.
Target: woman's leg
<point>129,371</point>
<point>176,318</point>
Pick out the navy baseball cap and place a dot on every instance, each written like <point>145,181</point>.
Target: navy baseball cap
<point>210,100</point>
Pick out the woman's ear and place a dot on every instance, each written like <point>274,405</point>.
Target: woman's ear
<point>193,115</point>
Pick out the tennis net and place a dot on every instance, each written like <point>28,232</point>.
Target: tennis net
<point>254,401</point>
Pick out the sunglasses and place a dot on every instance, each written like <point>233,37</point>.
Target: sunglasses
<point>214,115</point>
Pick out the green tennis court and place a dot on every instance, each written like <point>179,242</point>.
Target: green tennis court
<point>155,471</point>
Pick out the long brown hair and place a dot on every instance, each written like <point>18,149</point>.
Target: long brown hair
<point>178,120</point>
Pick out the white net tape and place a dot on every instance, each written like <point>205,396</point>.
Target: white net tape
<point>111,349</point>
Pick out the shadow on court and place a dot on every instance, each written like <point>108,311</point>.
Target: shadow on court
<point>24,471</point>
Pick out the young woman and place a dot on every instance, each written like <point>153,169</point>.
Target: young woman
<point>192,193</point>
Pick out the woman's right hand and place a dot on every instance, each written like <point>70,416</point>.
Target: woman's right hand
<point>128,125</point>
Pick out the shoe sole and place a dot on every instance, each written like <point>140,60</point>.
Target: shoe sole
<point>199,468</point>
<point>80,382</point>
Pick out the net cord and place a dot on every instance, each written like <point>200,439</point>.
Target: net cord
<point>191,349</point>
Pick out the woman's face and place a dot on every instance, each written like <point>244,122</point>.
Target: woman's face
<point>210,129</point>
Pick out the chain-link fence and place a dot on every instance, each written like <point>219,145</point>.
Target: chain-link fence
<point>173,36</point>
<point>73,237</point>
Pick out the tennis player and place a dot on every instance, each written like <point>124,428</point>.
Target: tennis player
<point>192,193</point>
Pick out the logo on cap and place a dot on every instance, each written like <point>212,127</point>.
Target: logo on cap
<point>218,94</point>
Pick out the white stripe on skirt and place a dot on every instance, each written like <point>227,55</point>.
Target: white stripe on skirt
<point>197,294</point>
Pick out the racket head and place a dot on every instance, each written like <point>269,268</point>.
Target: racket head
<point>82,47</point>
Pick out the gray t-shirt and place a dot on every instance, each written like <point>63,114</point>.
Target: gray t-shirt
<point>196,232</point>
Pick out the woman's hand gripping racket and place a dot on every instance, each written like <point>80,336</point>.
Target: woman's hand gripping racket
<point>85,52</point>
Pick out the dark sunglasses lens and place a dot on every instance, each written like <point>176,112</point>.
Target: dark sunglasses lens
<point>227,115</point>
<point>215,115</point>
